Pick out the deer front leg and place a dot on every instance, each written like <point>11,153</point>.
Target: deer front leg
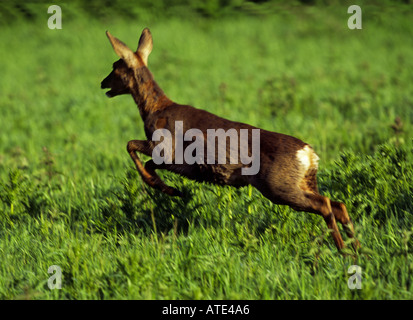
<point>150,167</point>
<point>147,172</point>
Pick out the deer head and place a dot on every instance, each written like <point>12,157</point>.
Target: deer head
<point>130,66</point>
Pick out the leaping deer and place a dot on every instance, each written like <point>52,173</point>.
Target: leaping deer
<point>287,165</point>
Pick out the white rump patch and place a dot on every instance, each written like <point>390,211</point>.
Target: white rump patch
<point>307,158</point>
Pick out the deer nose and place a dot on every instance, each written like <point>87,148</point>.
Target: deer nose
<point>103,85</point>
<point>106,82</point>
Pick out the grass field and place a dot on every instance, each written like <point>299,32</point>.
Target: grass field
<point>69,194</point>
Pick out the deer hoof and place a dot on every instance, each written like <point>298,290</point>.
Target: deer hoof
<point>176,193</point>
<point>173,192</point>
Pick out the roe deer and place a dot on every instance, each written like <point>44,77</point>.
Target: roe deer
<point>288,166</point>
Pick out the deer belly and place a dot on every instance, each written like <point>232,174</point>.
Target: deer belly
<point>221,174</point>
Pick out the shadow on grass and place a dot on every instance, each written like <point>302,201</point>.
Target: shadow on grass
<point>135,206</point>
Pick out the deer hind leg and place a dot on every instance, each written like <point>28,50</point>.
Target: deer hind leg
<point>341,214</point>
<point>339,210</point>
<point>317,203</point>
<point>302,200</point>
<point>321,205</point>
<point>147,172</point>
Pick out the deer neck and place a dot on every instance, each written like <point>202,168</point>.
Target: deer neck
<point>147,94</point>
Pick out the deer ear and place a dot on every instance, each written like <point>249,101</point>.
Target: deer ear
<point>122,51</point>
<point>145,45</point>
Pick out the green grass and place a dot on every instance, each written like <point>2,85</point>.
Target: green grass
<point>69,195</point>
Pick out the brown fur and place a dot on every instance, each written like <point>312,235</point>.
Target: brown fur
<point>282,177</point>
